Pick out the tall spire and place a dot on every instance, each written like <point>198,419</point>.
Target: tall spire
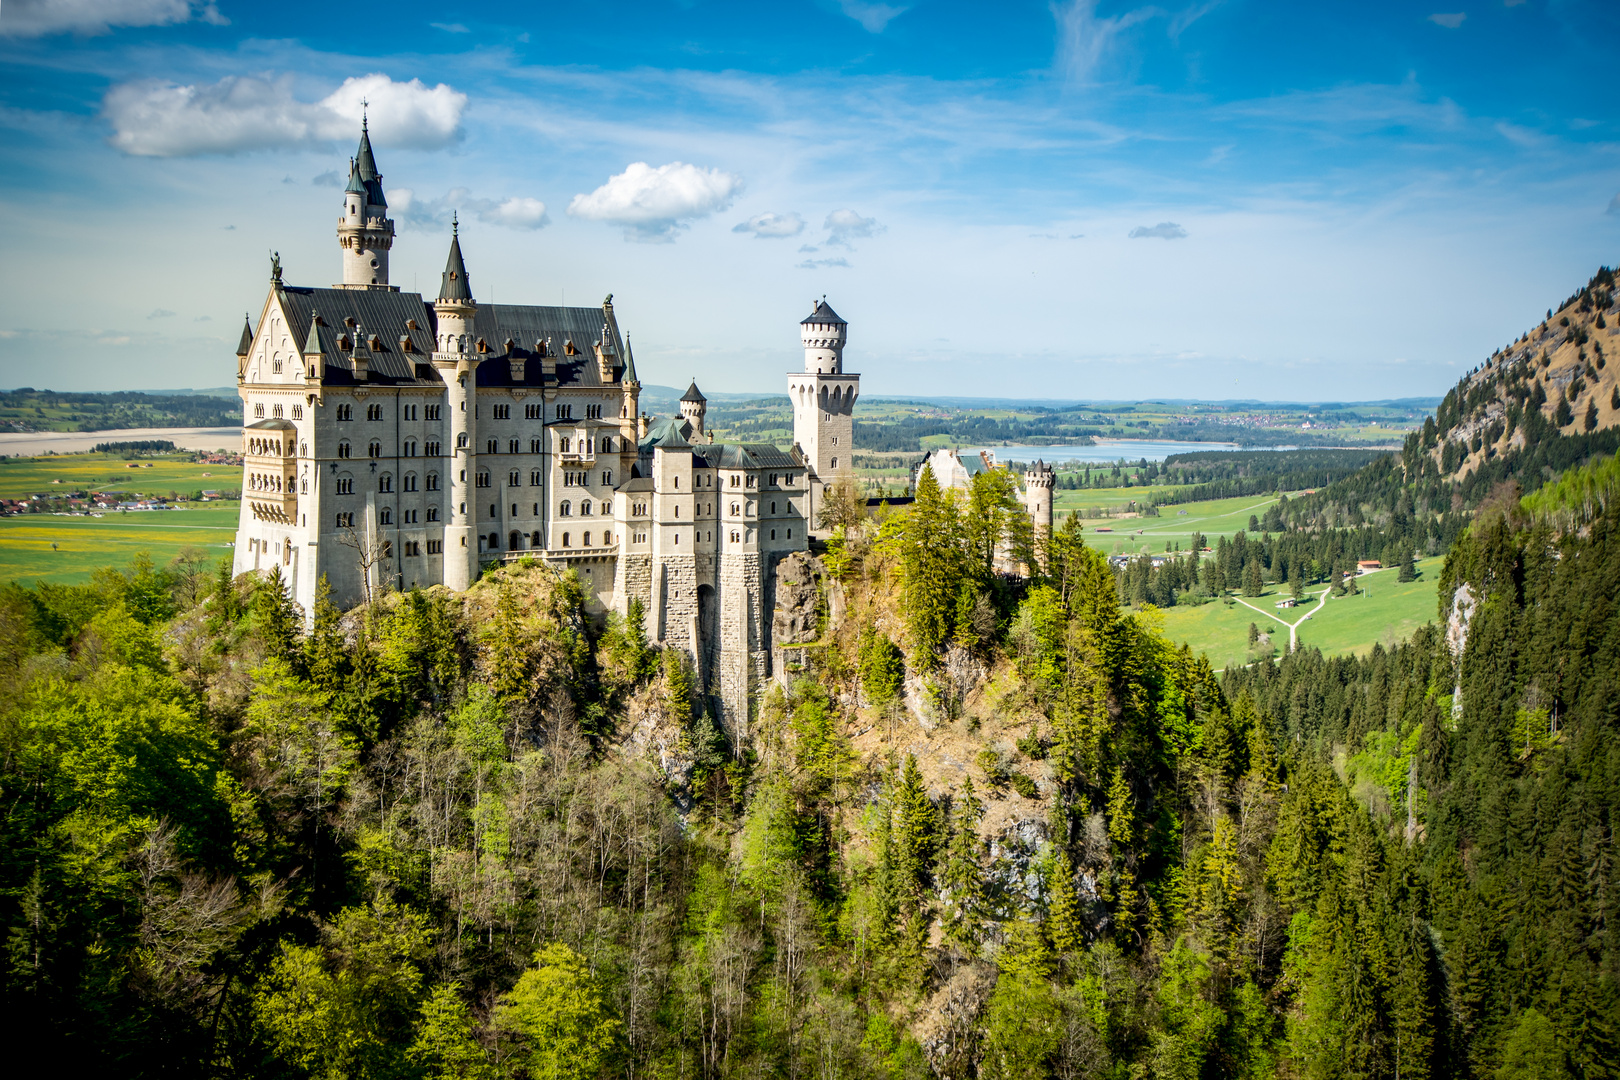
<point>365,231</point>
<point>365,164</point>
<point>455,285</point>
<point>246,345</point>
<point>629,363</point>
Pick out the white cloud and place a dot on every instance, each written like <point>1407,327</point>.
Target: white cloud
<point>35,18</point>
<point>1449,21</point>
<point>516,212</point>
<point>652,203</point>
<point>845,225</point>
<point>872,17</point>
<point>450,28</point>
<point>240,114</point>
<point>1164,230</point>
<point>1522,136</point>
<point>771,226</point>
<point>160,313</point>
<point>821,264</point>
<point>1083,38</point>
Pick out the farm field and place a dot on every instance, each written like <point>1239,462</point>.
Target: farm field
<point>1386,611</point>
<point>86,544</point>
<point>22,477</point>
<point>1132,536</point>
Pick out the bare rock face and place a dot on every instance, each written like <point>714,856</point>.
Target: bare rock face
<point>1014,859</point>
<point>653,735</point>
<point>1463,605</point>
<point>798,600</point>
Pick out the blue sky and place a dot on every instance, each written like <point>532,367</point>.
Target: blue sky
<point>1077,200</point>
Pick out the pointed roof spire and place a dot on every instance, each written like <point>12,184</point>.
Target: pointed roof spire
<point>629,363</point>
<point>246,344</point>
<point>823,314</point>
<point>312,344</point>
<point>693,393</point>
<point>365,167</point>
<point>455,285</point>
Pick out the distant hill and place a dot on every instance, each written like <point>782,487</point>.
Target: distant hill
<point>27,409</point>
<point>1557,378</point>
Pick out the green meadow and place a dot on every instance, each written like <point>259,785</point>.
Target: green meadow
<point>159,474</point>
<point>1174,525</point>
<point>1384,612</point>
<point>86,544</point>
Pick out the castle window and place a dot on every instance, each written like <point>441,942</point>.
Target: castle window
<point>534,446</point>
<point>375,449</point>
<point>514,478</point>
<point>385,482</point>
<point>534,540</point>
<point>433,481</point>
<point>388,549</point>
<point>790,534</point>
<point>514,509</point>
<point>534,477</point>
<point>773,508</point>
<point>276,412</point>
<point>736,508</point>
<point>584,508</point>
<point>409,517</point>
<point>385,516</point>
<point>343,448</point>
<point>345,485</point>
<point>304,488</point>
<point>586,540</point>
<point>494,541</point>
<point>565,444</point>
<point>492,446</point>
<point>502,412</point>
<point>435,547</point>
<point>566,509</point>
<point>258,411</point>
<point>607,477</point>
<point>373,412</point>
<point>753,481</point>
<point>433,513</point>
<point>677,483</point>
<point>410,482</point>
<point>345,412</point>
<point>736,480</point>
<point>461,441</point>
<point>565,539</point>
<point>532,412</point>
<point>298,412</point>
<point>607,446</point>
<point>432,412</point>
<point>430,449</point>
<point>345,520</point>
<point>275,364</point>
<point>565,412</point>
<point>483,478</point>
<point>511,446</point>
<point>515,541</point>
<point>773,479</point>
<point>592,412</point>
<point>736,536</point>
<point>773,534</point>
<point>834,463</point>
<point>536,510</point>
<point>410,447</point>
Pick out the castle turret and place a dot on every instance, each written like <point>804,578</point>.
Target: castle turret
<point>693,408</point>
<point>365,231</point>
<point>1039,482</point>
<point>456,360</point>
<point>824,402</point>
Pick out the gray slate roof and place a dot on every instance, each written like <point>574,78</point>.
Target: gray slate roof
<point>693,393</point>
<point>384,313</point>
<point>823,314</point>
<point>454,285</point>
<point>245,346</point>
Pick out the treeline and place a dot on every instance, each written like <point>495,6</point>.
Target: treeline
<point>1233,473</point>
<point>49,410</point>
<point>138,446</point>
<point>906,434</point>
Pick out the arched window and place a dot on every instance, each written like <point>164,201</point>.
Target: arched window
<point>586,541</point>
<point>492,446</point>
<point>515,541</point>
<point>276,410</point>
<point>375,449</point>
<point>258,411</point>
<point>433,481</point>
<point>607,477</point>
<point>410,447</point>
<point>275,363</point>
<point>494,541</point>
<point>607,538</point>
<point>584,508</point>
<point>565,539</point>
<point>834,463</point>
<point>303,449</point>
<point>343,448</point>
<point>461,441</point>
<point>410,482</point>
<point>345,412</point>
<point>534,477</point>
<point>512,446</point>
<point>565,509</point>
<point>385,516</point>
<point>514,478</point>
<point>385,482</point>
<point>534,540</point>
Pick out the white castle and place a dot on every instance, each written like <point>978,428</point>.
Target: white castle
<point>396,442</point>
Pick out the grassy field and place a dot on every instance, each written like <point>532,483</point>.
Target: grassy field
<point>22,477</point>
<point>85,544</point>
<point>1385,612</point>
<point>1215,518</point>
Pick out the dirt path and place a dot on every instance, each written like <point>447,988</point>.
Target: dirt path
<point>1293,627</point>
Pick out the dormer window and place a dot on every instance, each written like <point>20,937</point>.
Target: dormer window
<point>410,324</point>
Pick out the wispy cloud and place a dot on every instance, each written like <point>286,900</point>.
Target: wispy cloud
<point>1450,21</point>
<point>1084,38</point>
<point>161,313</point>
<point>516,212</point>
<point>845,225</point>
<point>872,17</point>
<point>822,264</point>
<point>771,226</point>
<point>450,28</point>
<point>37,18</point>
<point>1164,230</point>
<point>654,204</point>
<point>239,114</point>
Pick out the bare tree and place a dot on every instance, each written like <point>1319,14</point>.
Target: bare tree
<point>369,550</point>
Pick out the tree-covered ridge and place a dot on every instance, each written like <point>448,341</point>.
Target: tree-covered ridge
<point>989,827</point>
<point>48,410</point>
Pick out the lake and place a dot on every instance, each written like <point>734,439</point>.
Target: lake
<point>1108,451</point>
<point>31,443</point>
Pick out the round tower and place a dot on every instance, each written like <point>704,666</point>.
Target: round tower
<point>693,408</point>
<point>365,231</point>
<point>1039,482</point>
<point>823,335</point>
<point>456,360</point>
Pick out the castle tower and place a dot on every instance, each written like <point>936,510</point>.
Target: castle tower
<point>365,231</point>
<point>1039,482</point>
<point>694,406</point>
<point>824,402</point>
<point>456,360</point>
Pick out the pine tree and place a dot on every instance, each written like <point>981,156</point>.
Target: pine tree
<point>509,649</point>
<point>278,618</point>
<point>1591,421</point>
<point>1063,905</point>
<point>1252,582</point>
<point>931,565</point>
<point>963,878</point>
<point>916,828</point>
<point>1408,570</point>
<point>326,653</point>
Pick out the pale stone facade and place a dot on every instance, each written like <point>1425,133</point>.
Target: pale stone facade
<point>394,442</point>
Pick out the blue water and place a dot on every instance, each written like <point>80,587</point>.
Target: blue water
<point>1108,451</point>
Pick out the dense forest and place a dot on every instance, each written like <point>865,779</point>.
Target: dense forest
<point>984,828</point>
<point>27,409</point>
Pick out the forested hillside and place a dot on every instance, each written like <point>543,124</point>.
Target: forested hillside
<point>981,828</point>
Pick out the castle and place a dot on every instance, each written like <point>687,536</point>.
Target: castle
<point>391,441</point>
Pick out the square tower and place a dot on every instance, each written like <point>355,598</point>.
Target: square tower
<point>824,402</point>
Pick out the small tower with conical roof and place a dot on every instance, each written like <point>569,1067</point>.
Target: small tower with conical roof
<point>455,358</point>
<point>1039,481</point>
<point>365,231</point>
<point>693,407</point>
<point>824,401</point>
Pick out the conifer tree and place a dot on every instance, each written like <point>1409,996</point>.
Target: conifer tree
<point>278,618</point>
<point>1408,570</point>
<point>326,654</point>
<point>1252,583</point>
<point>509,650</point>
<point>963,878</point>
<point>1063,905</point>
<point>916,829</point>
<point>931,566</point>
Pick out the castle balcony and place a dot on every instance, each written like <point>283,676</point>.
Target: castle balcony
<point>581,451</point>
<point>276,507</point>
